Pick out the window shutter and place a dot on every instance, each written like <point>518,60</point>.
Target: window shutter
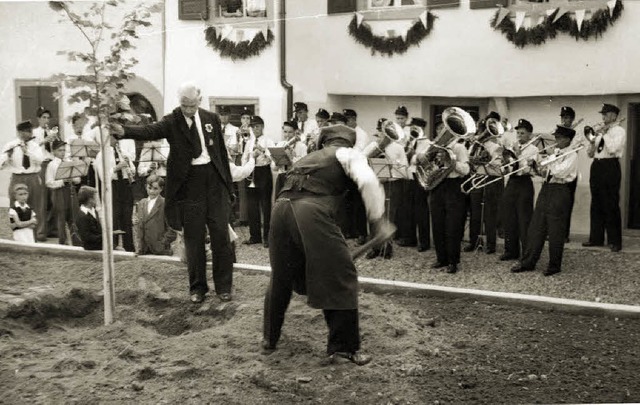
<point>437,4</point>
<point>341,6</point>
<point>476,4</point>
<point>193,10</point>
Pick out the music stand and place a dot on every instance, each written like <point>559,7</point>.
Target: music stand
<point>280,156</point>
<point>154,152</point>
<point>72,169</point>
<point>81,148</point>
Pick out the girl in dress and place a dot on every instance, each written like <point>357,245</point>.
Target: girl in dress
<point>22,218</point>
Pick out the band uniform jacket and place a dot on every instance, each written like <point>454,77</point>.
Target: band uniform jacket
<point>174,128</point>
<point>90,231</point>
<point>153,233</point>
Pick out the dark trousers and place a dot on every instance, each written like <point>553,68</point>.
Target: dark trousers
<point>288,264</point>
<point>122,201</point>
<point>406,218</point>
<point>549,219</point>
<point>490,197</point>
<point>259,202</point>
<point>207,205</point>
<point>447,204</point>
<point>517,209</point>
<point>572,199</point>
<point>416,217</point>
<point>49,225</point>
<point>61,199</point>
<point>359,214</point>
<point>604,182</point>
<point>35,201</point>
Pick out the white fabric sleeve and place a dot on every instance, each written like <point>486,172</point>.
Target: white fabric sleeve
<point>242,172</point>
<point>462,159</point>
<point>614,141</point>
<point>50,176</point>
<point>565,167</point>
<point>356,167</point>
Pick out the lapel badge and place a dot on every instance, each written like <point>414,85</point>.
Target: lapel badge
<point>208,128</point>
<point>210,142</point>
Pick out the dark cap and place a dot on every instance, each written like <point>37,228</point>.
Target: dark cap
<point>349,113</point>
<point>418,122</point>
<point>564,111</point>
<point>338,131</point>
<point>57,143</point>
<point>606,108</point>
<point>494,115</point>
<point>300,107</point>
<point>379,124</point>
<point>245,111</point>
<point>564,131</point>
<point>402,110</point>
<point>223,110</point>
<point>257,120</point>
<point>289,124</point>
<point>42,110</point>
<point>337,117</point>
<point>25,126</point>
<point>322,113</point>
<point>524,124</point>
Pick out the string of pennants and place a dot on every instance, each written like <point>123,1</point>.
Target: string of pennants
<point>231,42</point>
<point>588,18</point>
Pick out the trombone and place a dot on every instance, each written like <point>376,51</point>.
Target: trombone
<point>590,132</point>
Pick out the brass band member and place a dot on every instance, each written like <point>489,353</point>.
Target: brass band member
<point>229,132</point>
<point>416,197</point>
<point>295,149</point>
<point>552,207</point>
<point>302,121</point>
<point>395,156</point>
<point>484,202</point>
<point>322,119</point>
<point>567,116</point>
<point>307,251</point>
<point>517,200</point>
<point>23,157</point>
<point>606,149</point>
<point>402,124</point>
<point>447,205</point>
<point>260,187</point>
<point>354,205</point>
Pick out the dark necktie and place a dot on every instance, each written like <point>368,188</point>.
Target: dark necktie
<point>601,144</point>
<point>195,138</point>
<point>119,173</point>
<point>26,161</point>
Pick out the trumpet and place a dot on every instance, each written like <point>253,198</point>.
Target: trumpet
<point>291,142</point>
<point>129,171</point>
<point>590,132</point>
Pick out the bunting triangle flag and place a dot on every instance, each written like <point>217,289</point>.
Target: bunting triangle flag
<point>423,18</point>
<point>550,11</point>
<point>265,30</point>
<point>519,19</point>
<point>611,4</point>
<point>561,11</point>
<point>226,31</point>
<point>534,18</point>
<point>359,19</point>
<point>502,13</point>
<point>579,18</point>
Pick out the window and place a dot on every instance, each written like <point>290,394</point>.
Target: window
<point>341,6</point>
<point>34,94</point>
<point>478,4</point>
<point>225,9</point>
<point>193,10</point>
<point>376,4</point>
<point>236,107</point>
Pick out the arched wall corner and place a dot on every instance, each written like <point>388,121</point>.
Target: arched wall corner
<point>141,85</point>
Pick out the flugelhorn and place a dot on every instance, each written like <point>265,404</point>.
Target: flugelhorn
<point>435,164</point>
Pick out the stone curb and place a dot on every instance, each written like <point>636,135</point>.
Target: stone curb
<point>368,284</point>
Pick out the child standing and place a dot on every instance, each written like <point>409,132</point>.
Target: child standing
<point>88,222</point>
<point>21,217</point>
<point>60,191</point>
<point>153,234</point>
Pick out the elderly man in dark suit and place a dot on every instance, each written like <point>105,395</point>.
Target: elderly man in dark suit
<point>199,187</point>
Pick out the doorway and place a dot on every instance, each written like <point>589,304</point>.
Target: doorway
<point>32,96</point>
<point>633,148</point>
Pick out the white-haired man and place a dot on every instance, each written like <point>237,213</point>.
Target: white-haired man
<point>199,187</point>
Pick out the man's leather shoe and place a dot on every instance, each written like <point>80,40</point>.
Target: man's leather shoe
<point>469,248</point>
<point>361,240</point>
<point>506,257</point>
<point>452,269</point>
<point>372,254</point>
<point>490,251</point>
<point>520,268</point>
<point>407,243</point>
<point>225,297</point>
<point>265,244</point>
<point>590,244</point>
<point>251,242</point>
<point>616,248</point>
<point>437,265</point>
<point>356,358</point>
<point>423,248</point>
<point>197,298</point>
<point>266,347</point>
<point>550,271</point>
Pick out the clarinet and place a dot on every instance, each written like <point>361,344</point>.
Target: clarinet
<point>127,171</point>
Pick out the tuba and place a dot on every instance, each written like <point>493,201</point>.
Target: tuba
<point>389,130</point>
<point>435,164</point>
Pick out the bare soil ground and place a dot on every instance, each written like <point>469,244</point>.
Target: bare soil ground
<point>162,349</point>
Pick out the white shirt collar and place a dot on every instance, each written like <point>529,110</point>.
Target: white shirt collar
<point>196,117</point>
<point>18,205</point>
<point>88,210</point>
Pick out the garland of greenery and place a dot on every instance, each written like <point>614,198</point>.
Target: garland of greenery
<point>389,46</point>
<point>238,50</point>
<point>592,28</point>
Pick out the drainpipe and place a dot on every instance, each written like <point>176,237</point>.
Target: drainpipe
<point>283,58</point>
